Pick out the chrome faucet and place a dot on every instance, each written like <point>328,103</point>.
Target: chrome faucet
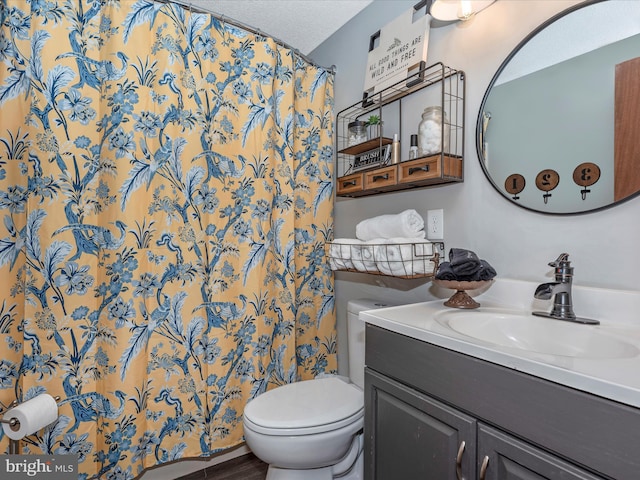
<point>561,288</point>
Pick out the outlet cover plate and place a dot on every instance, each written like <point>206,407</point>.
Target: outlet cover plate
<point>435,224</point>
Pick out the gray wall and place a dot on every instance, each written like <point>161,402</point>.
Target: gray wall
<point>518,243</point>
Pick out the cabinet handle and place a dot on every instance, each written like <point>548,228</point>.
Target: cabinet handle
<point>459,460</point>
<point>424,168</point>
<point>351,183</point>
<point>381,177</point>
<point>483,467</point>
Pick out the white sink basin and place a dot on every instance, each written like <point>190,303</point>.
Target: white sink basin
<point>603,360</point>
<point>526,332</point>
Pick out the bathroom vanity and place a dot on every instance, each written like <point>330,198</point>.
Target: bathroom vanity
<point>442,405</point>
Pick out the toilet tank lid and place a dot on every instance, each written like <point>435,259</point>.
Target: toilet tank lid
<point>306,404</point>
<point>362,304</point>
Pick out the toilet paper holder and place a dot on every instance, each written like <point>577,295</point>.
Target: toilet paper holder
<point>14,423</point>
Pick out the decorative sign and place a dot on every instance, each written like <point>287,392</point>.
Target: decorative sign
<point>398,50</point>
<point>514,184</point>
<point>585,175</point>
<point>373,158</point>
<point>546,181</point>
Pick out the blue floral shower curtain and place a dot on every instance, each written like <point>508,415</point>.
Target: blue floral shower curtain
<point>166,193</point>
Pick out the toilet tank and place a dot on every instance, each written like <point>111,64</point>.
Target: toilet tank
<point>355,336</point>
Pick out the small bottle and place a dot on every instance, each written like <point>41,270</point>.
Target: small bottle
<point>413,149</point>
<point>395,150</point>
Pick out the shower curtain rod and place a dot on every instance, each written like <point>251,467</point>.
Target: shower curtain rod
<point>249,28</point>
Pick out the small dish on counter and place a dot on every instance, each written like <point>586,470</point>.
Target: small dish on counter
<point>461,299</point>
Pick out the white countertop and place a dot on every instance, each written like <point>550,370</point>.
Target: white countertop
<point>613,378</point>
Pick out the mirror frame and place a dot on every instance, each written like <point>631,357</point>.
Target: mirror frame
<point>503,65</point>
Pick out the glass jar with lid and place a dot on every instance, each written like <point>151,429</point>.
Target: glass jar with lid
<point>357,132</point>
<point>433,132</point>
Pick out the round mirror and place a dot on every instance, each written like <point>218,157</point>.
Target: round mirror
<point>558,127</point>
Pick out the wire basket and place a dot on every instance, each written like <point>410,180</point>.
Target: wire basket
<point>404,260</point>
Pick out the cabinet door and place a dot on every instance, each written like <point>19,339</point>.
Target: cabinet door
<point>502,457</point>
<point>409,435</point>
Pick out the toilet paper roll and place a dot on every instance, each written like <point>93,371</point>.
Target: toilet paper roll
<point>33,415</point>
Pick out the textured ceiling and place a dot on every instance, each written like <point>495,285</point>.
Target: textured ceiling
<point>302,24</point>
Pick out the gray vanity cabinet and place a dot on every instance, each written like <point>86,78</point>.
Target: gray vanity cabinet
<point>414,436</point>
<point>422,402</point>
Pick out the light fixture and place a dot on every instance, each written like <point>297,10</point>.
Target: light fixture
<point>451,10</point>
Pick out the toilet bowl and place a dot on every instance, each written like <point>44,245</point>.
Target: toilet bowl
<point>305,429</point>
<point>312,430</point>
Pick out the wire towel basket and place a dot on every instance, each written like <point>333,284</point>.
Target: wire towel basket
<point>403,260</point>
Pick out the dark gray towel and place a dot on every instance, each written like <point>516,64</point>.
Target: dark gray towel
<point>460,255</point>
<point>465,266</point>
<point>445,272</point>
<point>486,272</point>
<point>464,263</point>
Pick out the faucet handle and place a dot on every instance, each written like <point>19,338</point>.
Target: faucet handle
<point>562,260</point>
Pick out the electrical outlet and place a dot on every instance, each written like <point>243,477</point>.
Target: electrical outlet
<point>435,224</point>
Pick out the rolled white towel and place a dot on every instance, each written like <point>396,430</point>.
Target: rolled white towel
<point>351,254</point>
<point>390,260</point>
<point>364,259</point>
<point>341,253</point>
<point>403,256</point>
<point>421,252</point>
<point>412,247</point>
<point>408,224</point>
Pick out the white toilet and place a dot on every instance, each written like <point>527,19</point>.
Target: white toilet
<point>312,430</point>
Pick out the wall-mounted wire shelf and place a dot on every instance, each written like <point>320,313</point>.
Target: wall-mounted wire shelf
<point>398,110</point>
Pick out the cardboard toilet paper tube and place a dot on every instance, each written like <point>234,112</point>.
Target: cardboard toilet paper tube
<point>32,415</point>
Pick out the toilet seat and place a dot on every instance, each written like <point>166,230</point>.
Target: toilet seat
<point>305,408</point>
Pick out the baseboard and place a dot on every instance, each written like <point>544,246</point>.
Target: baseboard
<point>182,468</point>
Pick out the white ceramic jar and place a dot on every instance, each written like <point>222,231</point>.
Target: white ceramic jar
<point>430,132</point>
